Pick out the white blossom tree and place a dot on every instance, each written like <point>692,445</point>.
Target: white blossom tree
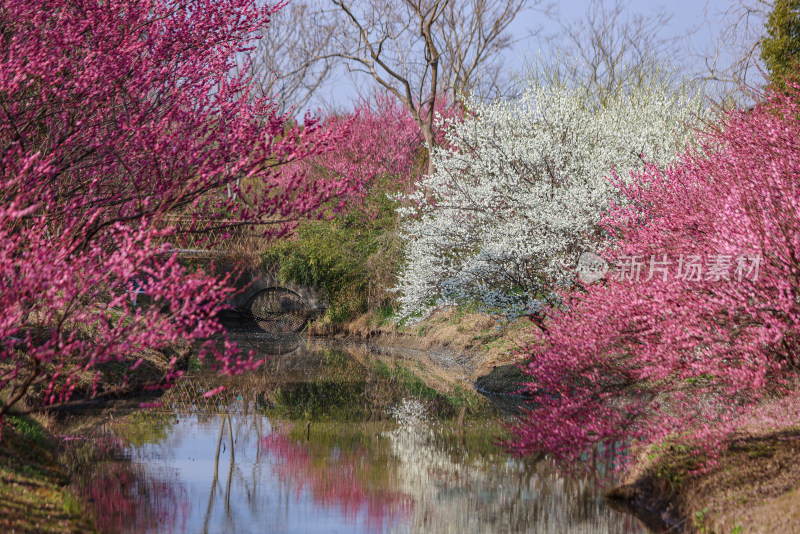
<point>520,185</point>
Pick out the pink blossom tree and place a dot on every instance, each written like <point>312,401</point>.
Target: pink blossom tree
<point>116,115</point>
<point>706,328</point>
<point>381,147</point>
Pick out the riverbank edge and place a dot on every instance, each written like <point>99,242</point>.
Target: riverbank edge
<point>487,347</point>
<point>753,486</point>
<point>35,495</point>
<point>34,483</point>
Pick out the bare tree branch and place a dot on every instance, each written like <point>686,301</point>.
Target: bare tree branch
<point>608,48</point>
<point>474,40</point>
<point>289,61</point>
<point>732,59</point>
<point>419,50</point>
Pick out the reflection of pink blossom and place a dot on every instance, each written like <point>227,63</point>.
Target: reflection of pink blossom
<point>123,497</point>
<point>335,482</point>
<point>213,392</point>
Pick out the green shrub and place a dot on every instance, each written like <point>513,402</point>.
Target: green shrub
<point>351,258</point>
<point>780,47</point>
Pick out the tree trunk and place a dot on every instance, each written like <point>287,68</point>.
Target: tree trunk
<point>426,127</point>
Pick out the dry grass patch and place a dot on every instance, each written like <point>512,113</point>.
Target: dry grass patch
<point>33,485</point>
<point>484,342</point>
<point>754,487</point>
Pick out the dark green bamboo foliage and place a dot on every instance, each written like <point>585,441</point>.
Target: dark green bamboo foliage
<point>352,258</point>
<point>780,48</point>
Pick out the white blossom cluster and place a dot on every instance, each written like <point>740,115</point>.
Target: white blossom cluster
<point>410,414</point>
<point>520,185</point>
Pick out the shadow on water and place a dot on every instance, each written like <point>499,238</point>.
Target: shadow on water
<point>326,440</point>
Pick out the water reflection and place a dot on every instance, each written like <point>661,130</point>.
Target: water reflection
<point>244,462</point>
<point>360,483</point>
<point>122,492</point>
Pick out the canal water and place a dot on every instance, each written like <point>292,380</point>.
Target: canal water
<point>326,438</point>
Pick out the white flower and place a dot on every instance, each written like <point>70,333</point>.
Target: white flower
<point>521,185</point>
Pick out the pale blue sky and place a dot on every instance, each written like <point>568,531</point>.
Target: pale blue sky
<point>695,22</point>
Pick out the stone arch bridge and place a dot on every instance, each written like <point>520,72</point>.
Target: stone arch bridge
<point>230,247</point>
<point>274,306</point>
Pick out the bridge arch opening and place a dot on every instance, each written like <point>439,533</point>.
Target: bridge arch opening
<point>278,310</point>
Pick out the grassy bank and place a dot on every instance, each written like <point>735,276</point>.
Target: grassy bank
<point>753,487</point>
<point>34,496</point>
<point>479,342</point>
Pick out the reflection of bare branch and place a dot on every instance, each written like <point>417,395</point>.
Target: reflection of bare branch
<point>214,480</point>
<point>230,469</point>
